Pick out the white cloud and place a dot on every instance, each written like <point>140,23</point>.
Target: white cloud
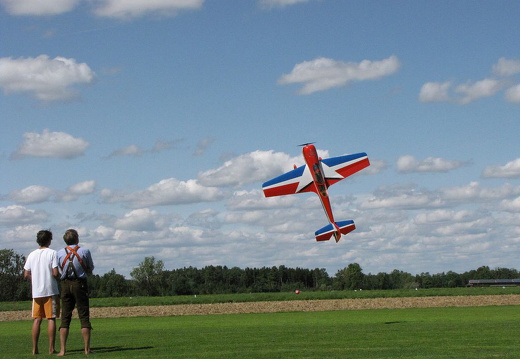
<point>32,194</point>
<point>442,215</point>
<point>435,92</point>
<point>132,150</point>
<point>511,205</point>
<point>38,7</point>
<point>136,151</point>
<point>254,200</point>
<point>166,192</point>
<point>279,3</point>
<point>505,67</point>
<point>203,145</point>
<point>376,166</point>
<point>39,194</point>
<point>407,164</point>
<point>127,9</point>
<point>50,144</point>
<point>44,78</point>
<point>472,91</point>
<point>513,94</point>
<point>21,215</point>
<point>463,93</point>
<point>247,168</point>
<point>82,188</point>
<point>77,190</point>
<point>402,197</point>
<point>139,220</point>
<point>475,192</point>
<point>509,170</point>
<point>323,73</point>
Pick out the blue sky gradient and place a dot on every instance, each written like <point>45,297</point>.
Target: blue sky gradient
<point>150,126</point>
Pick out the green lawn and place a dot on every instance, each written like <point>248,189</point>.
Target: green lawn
<point>472,332</point>
<point>283,296</point>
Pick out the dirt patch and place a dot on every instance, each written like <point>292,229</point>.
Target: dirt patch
<point>289,306</point>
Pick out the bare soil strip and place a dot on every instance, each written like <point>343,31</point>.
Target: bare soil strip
<point>289,306</point>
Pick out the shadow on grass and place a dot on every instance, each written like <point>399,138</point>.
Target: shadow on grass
<point>117,348</point>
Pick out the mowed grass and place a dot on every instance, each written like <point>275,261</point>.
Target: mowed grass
<point>469,332</point>
<point>282,296</point>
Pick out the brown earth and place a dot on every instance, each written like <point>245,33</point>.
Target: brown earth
<point>289,306</point>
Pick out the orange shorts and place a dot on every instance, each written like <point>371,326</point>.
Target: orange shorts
<point>46,307</point>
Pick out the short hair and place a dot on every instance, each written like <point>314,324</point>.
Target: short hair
<point>44,238</point>
<point>71,237</point>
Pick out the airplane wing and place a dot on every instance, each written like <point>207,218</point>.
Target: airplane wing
<point>337,168</point>
<point>298,180</point>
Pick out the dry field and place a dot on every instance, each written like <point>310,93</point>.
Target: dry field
<point>290,306</point>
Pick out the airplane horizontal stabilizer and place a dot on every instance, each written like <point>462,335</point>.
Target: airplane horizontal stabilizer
<point>342,227</point>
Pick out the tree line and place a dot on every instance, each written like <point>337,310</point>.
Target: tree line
<point>150,278</point>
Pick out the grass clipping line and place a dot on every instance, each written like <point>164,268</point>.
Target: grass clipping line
<point>289,306</point>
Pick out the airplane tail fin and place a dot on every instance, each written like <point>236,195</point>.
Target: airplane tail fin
<point>336,230</point>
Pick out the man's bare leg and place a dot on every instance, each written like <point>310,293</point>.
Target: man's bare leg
<point>51,331</point>
<point>64,334</point>
<point>85,332</point>
<point>36,334</point>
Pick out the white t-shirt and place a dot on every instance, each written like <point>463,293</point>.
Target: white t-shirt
<point>40,263</point>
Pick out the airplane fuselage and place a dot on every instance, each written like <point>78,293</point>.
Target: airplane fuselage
<point>320,185</point>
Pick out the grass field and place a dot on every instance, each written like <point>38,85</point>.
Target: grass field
<point>283,296</point>
<point>470,332</point>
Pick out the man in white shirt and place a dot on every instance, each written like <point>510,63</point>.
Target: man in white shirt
<point>41,268</point>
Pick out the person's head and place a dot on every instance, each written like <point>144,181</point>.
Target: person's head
<point>71,237</point>
<point>44,238</point>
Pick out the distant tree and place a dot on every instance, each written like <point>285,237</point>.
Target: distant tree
<point>350,277</point>
<point>148,276</point>
<point>112,284</point>
<point>13,286</point>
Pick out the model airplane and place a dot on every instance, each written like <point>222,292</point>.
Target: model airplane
<point>316,176</point>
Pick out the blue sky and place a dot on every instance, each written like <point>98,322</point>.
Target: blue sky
<point>150,126</point>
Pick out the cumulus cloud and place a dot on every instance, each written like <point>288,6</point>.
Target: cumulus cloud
<point>38,7</point>
<point>44,78</point>
<point>77,190</point>
<point>279,3</point>
<point>142,219</point>
<point>255,200</point>
<point>505,67</point>
<point>166,192</point>
<point>203,145</point>
<point>474,192</point>
<point>509,170</point>
<point>435,92</point>
<point>408,164</point>
<point>513,94</point>
<point>50,144</point>
<point>39,194</point>
<point>136,151</point>
<point>511,205</point>
<point>443,215</point>
<point>124,9</point>
<point>247,168</point>
<point>21,215</point>
<point>471,91</point>
<point>132,150</point>
<point>376,166</point>
<point>31,194</point>
<point>323,73</point>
